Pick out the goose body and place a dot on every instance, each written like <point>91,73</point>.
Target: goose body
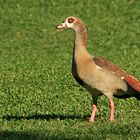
<point>99,76</point>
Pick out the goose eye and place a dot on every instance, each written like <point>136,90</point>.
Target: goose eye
<point>70,20</point>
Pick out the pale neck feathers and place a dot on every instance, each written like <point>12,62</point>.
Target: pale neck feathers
<point>80,41</point>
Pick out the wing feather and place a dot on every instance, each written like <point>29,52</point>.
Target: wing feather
<point>105,64</point>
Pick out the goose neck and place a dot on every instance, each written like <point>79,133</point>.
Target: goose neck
<point>81,38</point>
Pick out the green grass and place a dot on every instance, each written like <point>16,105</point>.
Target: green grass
<point>39,99</point>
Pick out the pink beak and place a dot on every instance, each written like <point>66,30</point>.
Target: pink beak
<point>62,26</point>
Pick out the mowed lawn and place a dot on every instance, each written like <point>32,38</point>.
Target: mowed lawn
<point>39,99</point>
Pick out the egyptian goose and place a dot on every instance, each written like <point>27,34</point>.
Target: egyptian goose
<point>99,76</point>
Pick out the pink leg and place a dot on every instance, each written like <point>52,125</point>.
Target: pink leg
<point>111,110</point>
<point>94,110</point>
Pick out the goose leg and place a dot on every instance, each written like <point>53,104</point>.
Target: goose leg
<point>111,110</point>
<point>94,110</point>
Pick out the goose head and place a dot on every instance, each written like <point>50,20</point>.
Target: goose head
<point>72,23</point>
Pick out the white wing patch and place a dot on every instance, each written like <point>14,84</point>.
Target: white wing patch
<point>98,67</point>
<point>122,77</point>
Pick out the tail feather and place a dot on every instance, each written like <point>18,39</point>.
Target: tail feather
<point>133,86</point>
<point>133,82</point>
<point>137,97</point>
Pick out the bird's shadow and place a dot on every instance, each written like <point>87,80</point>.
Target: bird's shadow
<point>46,117</point>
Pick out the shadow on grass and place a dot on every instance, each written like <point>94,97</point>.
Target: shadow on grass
<point>97,131</point>
<point>130,131</point>
<point>20,135</point>
<point>47,117</point>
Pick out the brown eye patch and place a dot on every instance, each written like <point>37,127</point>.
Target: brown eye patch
<point>70,20</point>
